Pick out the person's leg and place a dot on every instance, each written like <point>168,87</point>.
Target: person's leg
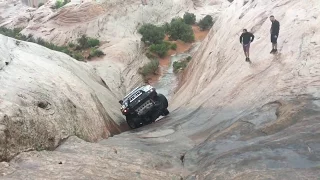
<point>272,44</point>
<point>244,50</point>
<point>248,50</point>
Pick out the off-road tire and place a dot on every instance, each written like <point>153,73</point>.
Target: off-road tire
<point>165,112</point>
<point>132,122</point>
<point>163,100</point>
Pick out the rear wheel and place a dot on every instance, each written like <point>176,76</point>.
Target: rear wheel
<point>165,112</point>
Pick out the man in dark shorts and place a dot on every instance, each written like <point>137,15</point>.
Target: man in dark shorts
<point>274,31</point>
<point>245,39</point>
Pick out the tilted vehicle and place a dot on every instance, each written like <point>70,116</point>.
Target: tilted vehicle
<point>143,105</point>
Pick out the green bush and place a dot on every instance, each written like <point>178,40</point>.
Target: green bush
<point>71,45</point>
<point>83,42</point>
<point>166,27</point>
<point>181,30</point>
<point>78,56</point>
<point>15,33</point>
<point>93,42</point>
<point>86,42</point>
<point>60,3</point>
<point>149,68</point>
<point>150,55</point>
<point>189,18</point>
<point>206,23</point>
<point>95,53</point>
<point>174,46</point>
<point>40,4</point>
<point>181,65</point>
<point>41,41</point>
<point>151,34</point>
<point>160,49</point>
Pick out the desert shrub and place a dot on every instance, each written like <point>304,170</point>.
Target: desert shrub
<point>189,18</point>
<point>40,41</point>
<point>83,42</point>
<point>173,46</point>
<point>166,27</point>
<point>151,34</point>
<point>94,52</point>
<point>60,3</point>
<point>160,49</point>
<point>181,30</point>
<point>78,56</point>
<point>15,33</point>
<point>92,42</point>
<point>71,45</point>
<point>181,65</point>
<point>149,68</point>
<point>86,42</point>
<point>206,23</point>
<point>150,55</point>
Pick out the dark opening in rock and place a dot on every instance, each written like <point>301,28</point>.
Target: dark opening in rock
<point>43,104</point>
<point>7,63</point>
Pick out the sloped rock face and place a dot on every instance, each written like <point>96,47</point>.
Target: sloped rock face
<point>77,159</point>
<point>47,96</point>
<point>229,119</point>
<point>259,120</point>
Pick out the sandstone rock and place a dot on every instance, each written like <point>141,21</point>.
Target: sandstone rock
<point>229,120</point>
<point>47,96</point>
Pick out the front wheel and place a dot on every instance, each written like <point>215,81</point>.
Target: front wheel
<point>133,122</point>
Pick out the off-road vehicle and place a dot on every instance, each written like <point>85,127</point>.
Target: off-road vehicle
<point>143,105</point>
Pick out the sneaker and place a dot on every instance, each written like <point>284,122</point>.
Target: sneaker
<point>275,51</point>
<point>247,59</point>
<point>272,51</point>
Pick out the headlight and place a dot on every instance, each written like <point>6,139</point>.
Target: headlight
<point>147,88</point>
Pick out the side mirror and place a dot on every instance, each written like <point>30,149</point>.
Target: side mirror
<point>121,102</point>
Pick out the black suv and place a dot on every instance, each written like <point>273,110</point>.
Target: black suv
<point>143,106</point>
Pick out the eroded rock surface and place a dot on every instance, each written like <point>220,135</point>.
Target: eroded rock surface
<point>229,119</point>
<point>47,96</point>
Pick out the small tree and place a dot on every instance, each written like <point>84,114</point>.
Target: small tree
<point>166,27</point>
<point>180,30</point>
<point>173,46</point>
<point>189,18</point>
<point>206,23</point>
<point>151,34</point>
<point>83,41</point>
<point>160,49</point>
<point>149,68</point>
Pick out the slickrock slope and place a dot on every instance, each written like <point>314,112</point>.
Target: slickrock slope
<point>255,121</point>
<point>229,119</point>
<point>47,96</point>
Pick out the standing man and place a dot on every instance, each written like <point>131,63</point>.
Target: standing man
<point>274,31</point>
<point>245,39</point>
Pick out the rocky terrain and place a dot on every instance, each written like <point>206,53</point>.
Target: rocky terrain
<point>47,96</point>
<point>229,119</point>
